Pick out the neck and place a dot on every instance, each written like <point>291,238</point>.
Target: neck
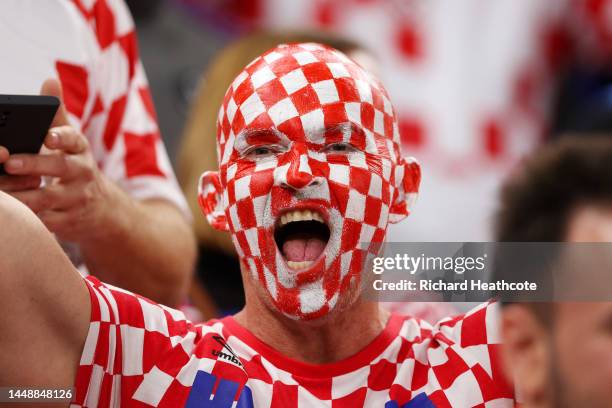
<point>332,338</point>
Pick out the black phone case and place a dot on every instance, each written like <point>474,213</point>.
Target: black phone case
<point>24,122</point>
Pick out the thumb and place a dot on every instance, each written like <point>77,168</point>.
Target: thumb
<point>52,87</point>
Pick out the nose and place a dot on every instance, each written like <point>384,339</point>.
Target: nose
<point>299,173</point>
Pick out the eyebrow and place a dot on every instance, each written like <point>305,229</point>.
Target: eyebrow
<point>242,139</point>
<point>348,129</point>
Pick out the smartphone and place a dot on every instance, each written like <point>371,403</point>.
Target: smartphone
<point>24,122</point>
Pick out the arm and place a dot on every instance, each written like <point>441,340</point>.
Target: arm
<point>44,302</point>
<point>148,249</point>
<point>144,246</point>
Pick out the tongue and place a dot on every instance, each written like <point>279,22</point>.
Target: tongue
<point>303,249</point>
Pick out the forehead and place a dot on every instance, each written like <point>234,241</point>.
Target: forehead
<point>299,89</point>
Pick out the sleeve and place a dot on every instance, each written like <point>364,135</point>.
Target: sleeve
<point>138,353</point>
<point>118,116</point>
<point>466,359</point>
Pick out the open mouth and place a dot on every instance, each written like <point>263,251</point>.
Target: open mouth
<point>301,236</point>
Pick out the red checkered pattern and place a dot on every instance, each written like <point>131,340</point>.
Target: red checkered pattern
<point>306,97</point>
<point>90,46</point>
<point>138,353</point>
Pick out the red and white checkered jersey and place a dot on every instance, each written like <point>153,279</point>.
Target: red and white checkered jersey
<point>90,46</point>
<point>138,353</point>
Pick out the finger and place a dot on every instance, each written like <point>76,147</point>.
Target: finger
<point>52,87</point>
<point>46,198</point>
<point>55,165</point>
<point>19,183</point>
<point>57,197</point>
<point>66,138</point>
<point>4,154</point>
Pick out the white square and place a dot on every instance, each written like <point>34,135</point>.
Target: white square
<point>221,113</point>
<point>304,57</point>
<point>343,385</point>
<point>95,383</point>
<point>303,166</point>
<point>280,173</point>
<point>313,123</point>
<point>353,112</point>
<point>235,220</point>
<point>242,187</point>
<point>367,232</point>
<point>253,240</point>
<point>311,46</point>
<point>153,387</point>
<point>259,206</point>
<point>306,399</point>
<point>339,173</point>
<point>370,142</point>
<point>262,76</point>
<point>464,392</point>
<point>326,91</point>
<point>266,164</point>
<point>231,109</point>
<point>282,111</point>
<point>375,186</point>
<point>338,69</point>
<point>379,122</point>
<point>187,374</point>
<point>239,79</point>
<point>355,207</point>
<point>90,344</point>
<point>358,159</point>
<point>272,56</point>
<point>383,220</point>
<point>375,398</point>
<point>318,156</point>
<point>175,314</point>
<point>387,105</point>
<point>294,81</point>
<point>132,343</point>
<point>104,312</point>
<point>386,169</point>
<point>365,92</point>
<point>231,171</point>
<point>251,108</point>
<point>154,317</point>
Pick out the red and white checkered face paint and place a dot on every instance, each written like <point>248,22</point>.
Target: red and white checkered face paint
<point>309,167</point>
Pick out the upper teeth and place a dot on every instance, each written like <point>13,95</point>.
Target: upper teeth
<point>304,215</point>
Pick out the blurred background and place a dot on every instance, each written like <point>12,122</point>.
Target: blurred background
<point>476,84</point>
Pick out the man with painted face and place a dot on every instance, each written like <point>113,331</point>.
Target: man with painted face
<point>309,168</point>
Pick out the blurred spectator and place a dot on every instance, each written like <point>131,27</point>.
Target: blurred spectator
<point>474,83</point>
<point>121,213</point>
<point>560,354</point>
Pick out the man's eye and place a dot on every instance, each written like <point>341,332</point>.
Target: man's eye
<point>260,151</point>
<point>339,148</point>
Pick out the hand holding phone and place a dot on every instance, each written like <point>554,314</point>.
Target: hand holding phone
<point>77,202</point>
<point>24,121</point>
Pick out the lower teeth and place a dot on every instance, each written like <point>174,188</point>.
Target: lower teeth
<point>299,265</point>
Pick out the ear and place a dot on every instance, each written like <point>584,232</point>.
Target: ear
<point>209,197</point>
<point>526,354</point>
<point>407,181</point>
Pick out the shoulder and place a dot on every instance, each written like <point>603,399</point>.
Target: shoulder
<point>165,358</point>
